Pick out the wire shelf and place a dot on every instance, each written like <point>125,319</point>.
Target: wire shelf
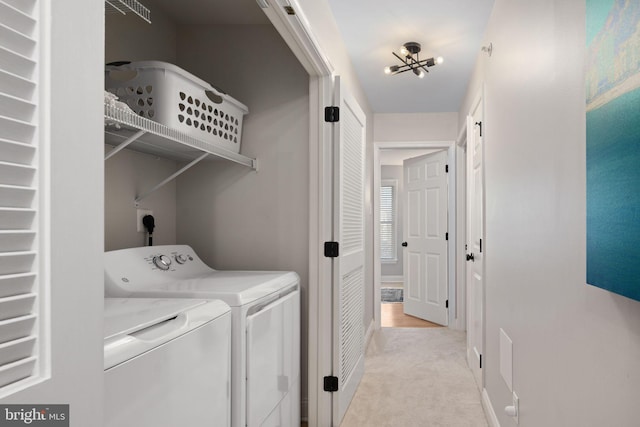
<point>122,6</point>
<point>160,140</point>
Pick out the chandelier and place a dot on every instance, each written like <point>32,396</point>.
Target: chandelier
<point>410,59</point>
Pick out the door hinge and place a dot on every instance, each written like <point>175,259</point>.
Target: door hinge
<point>331,249</point>
<point>480,245</point>
<point>446,168</point>
<point>480,361</point>
<point>331,384</point>
<point>446,236</point>
<point>446,304</point>
<point>331,114</point>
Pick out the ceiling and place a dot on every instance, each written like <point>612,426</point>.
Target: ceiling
<point>373,29</point>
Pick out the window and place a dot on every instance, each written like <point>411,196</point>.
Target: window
<point>388,226</point>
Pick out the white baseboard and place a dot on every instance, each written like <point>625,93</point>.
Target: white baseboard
<point>387,279</point>
<point>488,409</point>
<point>369,333</point>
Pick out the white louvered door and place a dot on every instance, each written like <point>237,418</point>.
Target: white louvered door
<point>22,352</point>
<point>348,291</point>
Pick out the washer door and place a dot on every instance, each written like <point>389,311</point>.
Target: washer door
<point>273,360</point>
<point>184,382</point>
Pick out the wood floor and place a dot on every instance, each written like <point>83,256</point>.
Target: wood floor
<point>392,316</point>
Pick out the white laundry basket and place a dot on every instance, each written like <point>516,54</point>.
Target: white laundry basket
<point>169,95</point>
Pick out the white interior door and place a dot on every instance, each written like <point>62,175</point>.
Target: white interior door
<point>475,231</point>
<point>348,279</point>
<point>425,222</point>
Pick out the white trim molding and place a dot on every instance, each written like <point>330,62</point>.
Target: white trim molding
<point>492,418</point>
<point>296,32</point>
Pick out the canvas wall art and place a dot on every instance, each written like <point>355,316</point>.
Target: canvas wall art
<point>613,145</point>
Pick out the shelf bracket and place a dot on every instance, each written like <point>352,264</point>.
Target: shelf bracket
<point>124,144</point>
<point>173,176</point>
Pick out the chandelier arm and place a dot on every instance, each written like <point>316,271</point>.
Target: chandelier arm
<point>422,64</point>
<point>402,70</point>
<point>417,63</point>
<point>400,58</point>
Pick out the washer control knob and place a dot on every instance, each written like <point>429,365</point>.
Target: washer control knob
<point>162,262</point>
<point>181,259</point>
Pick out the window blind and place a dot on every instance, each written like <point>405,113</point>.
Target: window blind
<point>20,258</point>
<point>388,246</point>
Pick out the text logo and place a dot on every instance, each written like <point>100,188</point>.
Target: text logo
<point>34,415</point>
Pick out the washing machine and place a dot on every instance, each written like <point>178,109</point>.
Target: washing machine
<point>167,362</point>
<point>265,323</point>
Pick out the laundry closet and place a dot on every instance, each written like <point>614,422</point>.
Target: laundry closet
<point>234,216</point>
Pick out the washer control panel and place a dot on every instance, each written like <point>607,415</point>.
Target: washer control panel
<point>163,262</point>
<point>133,268</point>
<point>181,258</point>
<point>168,261</point>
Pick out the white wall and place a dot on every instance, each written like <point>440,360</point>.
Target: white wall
<point>415,127</point>
<point>129,38</point>
<point>127,175</point>
<point>235,217</point>
<point>76,179</point>
<point>576,347</point>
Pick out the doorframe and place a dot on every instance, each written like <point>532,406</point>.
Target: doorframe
<point>461,226</point>
<point>297,34</point>
<point>479,98</point>
<point>456,312</point>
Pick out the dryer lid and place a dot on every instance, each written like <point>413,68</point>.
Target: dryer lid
<point>126,315</point>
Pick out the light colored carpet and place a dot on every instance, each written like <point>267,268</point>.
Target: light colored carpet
<point>416,378</point>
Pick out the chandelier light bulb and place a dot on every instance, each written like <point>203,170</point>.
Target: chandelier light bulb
<point>404,51</point>
<point>439,60</point>
<point>418,72</point>
<point>391,69</point>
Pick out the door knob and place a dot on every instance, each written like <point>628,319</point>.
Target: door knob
<point>470,257</point>
<point>405,244</point>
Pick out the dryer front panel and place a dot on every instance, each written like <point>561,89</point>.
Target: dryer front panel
<point>273,360</point>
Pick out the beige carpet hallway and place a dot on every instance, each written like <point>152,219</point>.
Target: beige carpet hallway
<point>416,378</point>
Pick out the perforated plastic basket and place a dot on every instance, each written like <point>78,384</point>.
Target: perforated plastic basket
<point>167,94</point>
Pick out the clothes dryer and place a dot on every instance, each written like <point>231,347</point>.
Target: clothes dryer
<point>265,309</point>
